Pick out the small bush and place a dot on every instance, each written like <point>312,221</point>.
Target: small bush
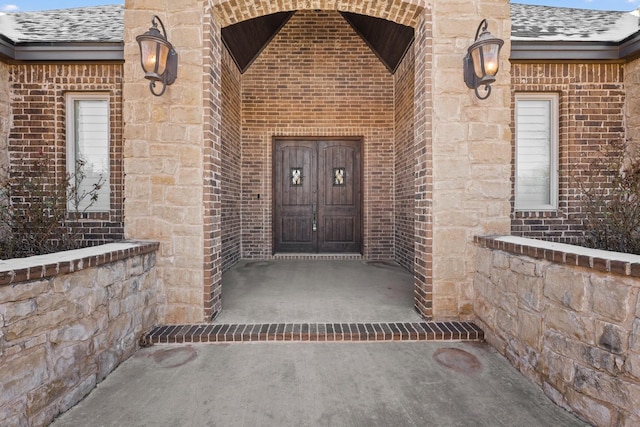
<point>611,200</point>
<point>33,210</point>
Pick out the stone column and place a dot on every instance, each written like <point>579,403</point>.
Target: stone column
<point>163,156</point>
<point>632,102</point>
<point>471,151</point>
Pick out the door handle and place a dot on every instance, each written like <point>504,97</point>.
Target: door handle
<point>314,224</point>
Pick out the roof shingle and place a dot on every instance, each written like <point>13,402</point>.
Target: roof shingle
<point>83,24</point>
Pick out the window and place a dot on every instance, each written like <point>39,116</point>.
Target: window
<point>88,148</point>
<point>536,186</point>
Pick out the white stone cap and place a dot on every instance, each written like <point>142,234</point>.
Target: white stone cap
<point>66,256</point>
<point>572,249</point>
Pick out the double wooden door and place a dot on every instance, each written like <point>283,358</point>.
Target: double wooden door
<point>318,195</point>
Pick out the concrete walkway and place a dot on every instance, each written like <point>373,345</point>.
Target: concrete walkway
<point>328,384</point>
<point>278,291</point>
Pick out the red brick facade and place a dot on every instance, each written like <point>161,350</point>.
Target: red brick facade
<point>591,104</point>
<point>38,128</point>
<point>405,165</point>
<point>231,161</point>
<point>317,78</point>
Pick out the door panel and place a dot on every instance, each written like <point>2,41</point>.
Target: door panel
<point>339,196</point>
<point>295,181</point>
<point>317,196</point>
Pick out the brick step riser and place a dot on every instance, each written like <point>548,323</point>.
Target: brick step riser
<point>314,332</point>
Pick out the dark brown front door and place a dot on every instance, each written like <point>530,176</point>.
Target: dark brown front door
<point>317,186</point>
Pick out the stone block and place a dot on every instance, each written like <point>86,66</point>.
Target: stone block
<point>46,416</point>
<point>16,311</point>
<point>567,287</point>
<point>634,338</point>
<point>107,362</point>
<point>484,262</point>
<point>22,291</point>
<point>485,311</point>
<point>615,391</point>
<point>632,365</point>
<point>558,370</point>
<point>506,323</point>
<point>22,373</point>
<point>77,393</point>
<point>39,324</point>
<point>611,337</point>
<point>43,396</point>
<point>569,323</point>
<point>529,291</point>
<point>530,329</point>
<point>522,266</point>
<point>611,298</point>
<point>500,259</point>
<point>603,360</point>
<point>451,267</point>
<point>628,420</point>
<point>594,411</point>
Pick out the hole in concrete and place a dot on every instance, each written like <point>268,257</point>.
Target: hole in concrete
<point>174,357</point>
<point>457,360</point>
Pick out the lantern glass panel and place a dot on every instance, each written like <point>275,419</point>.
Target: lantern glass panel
<point>478,66</point>
<point>154,56</point>
<point>490,53</point>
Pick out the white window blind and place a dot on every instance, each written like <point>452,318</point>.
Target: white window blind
<point>88,147</point>
<point>536,152</point>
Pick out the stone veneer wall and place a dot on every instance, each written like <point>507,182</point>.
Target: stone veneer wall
<point>569,319</point>
<point>405,163</point>
<point>66,321</point>
<point>471,152</point>
<point>632,101</point>
<point>591,103</point>
<point>37,129</point>
<point>170,179</point>
<point>317,77</point>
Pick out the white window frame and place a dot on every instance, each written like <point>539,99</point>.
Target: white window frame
<point>554,125</point>
<point>104,200</point>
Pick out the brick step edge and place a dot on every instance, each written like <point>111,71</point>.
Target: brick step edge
<point>313,332</point>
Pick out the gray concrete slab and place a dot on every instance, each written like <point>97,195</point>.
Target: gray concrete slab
<point>317,291</point>
<point>328,384</point>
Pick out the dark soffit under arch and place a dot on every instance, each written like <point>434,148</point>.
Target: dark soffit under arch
<point>247,39</point>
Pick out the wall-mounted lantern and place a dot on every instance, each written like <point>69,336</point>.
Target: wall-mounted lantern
<point>482,61</point>
<point>159,58</point>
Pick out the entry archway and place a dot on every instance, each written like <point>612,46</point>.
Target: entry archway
<point>419,152</point>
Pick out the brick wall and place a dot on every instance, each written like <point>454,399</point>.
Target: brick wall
<point>423,134</point>
<point>38,129</point>
<point>405,12</point>
<point>231,157</point>
<point>591,104</point>
<point>405,163</point>
<point>317,78</point>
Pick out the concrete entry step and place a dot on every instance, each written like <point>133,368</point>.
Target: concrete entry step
<point>313,332</point>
